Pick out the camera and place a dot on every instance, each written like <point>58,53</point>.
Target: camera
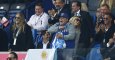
<point>100,20</point>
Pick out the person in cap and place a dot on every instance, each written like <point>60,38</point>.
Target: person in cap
<point>67,29</point>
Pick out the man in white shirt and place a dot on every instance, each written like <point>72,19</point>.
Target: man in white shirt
<point>38,21</point>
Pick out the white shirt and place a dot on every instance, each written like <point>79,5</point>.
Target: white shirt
<point>45,45</point>
<point>78,13</point>
<point>39,22</point>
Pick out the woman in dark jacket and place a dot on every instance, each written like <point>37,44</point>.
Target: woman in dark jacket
<point>22,35</point>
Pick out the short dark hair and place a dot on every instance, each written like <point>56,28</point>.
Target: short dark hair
<point>43,32</point>
<point>39,4</point>
<point>15,55</point>
<point>78,3</point>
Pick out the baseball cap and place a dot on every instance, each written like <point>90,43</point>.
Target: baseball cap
<point>65,15</point>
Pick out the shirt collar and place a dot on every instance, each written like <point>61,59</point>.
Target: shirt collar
<point>40,14</point>
<point>45,43</point>
<point>78,12</point>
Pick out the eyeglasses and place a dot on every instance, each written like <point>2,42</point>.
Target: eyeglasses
<point>106,18</point>
<point>78,19</point>
<point>17,17</point>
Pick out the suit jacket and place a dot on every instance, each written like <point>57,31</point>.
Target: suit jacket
<point>24,40</point>
<point>66,9</point>
<point>40,45</point>
<point>108,52</point>
<point>101,36</point>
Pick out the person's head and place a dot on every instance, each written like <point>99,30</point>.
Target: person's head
<point>75,21</point>
<point>19,22</point>
<point>104,9</point>
<point>46,35</point>
<point>107,19</point>
<point>12,56</point>
<point>63,19</point>
<point>59,4</point>
<point>76,5</point>
<point>38,9</point>
<point>19,19</point>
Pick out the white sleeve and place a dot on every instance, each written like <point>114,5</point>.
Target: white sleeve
<point>30,21</point>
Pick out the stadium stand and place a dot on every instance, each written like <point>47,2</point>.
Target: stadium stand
<point>15,8</point>
<point>3,9</point>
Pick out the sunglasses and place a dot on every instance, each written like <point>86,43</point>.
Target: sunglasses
<point>106,18</point>
<point>78,19</point>
<point>17,17</point>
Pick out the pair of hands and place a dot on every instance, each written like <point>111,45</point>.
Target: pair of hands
<point>51,12</point>
<point>59,35</point>
<point>100,27</point>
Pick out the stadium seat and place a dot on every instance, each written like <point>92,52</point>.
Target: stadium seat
<point>15,8</point>
<point>3,9</point>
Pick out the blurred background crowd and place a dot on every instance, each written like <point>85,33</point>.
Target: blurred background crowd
<point>87,26</point>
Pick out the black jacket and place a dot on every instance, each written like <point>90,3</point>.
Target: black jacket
<point>24,40</point>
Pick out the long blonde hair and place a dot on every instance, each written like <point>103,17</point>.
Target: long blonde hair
<point>21,24</point>
<point>74,22</point>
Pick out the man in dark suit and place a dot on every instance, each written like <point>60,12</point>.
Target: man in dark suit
<point>60,7</point>
<point>45,40</point>
<point>86,24</point>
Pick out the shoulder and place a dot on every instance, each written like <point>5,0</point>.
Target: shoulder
<point>45,14</point>
<point>69,25</point>
<point>27,26</point>
<point>33,15</point>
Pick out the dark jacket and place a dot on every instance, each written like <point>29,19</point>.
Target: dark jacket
<point>24,40</point>
<point>3,40</point>
<point>86,28</point>
<point>40,45</point>
<point>66,9</point>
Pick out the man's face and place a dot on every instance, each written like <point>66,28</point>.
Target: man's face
<point>75,8</point>
<point>63,21</point>
<point>59,4</point>
<point>104,10</point>
<point>38,10</point>
<point>11,57</point>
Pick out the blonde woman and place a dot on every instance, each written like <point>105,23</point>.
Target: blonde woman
<point>77,23</point>
<point>22,35</point>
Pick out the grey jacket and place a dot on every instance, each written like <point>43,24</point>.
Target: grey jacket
<point>69,27</point>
